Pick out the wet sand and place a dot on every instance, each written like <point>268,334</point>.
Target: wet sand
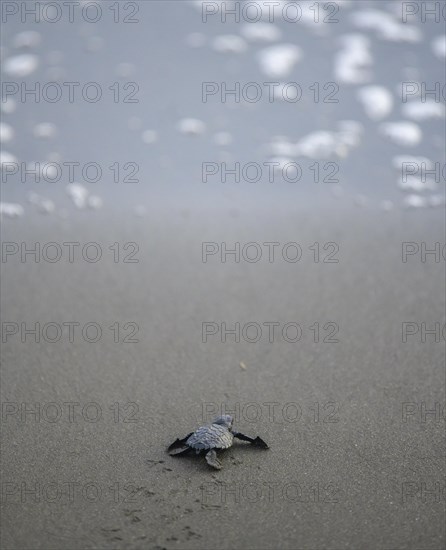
<point>345,469</point>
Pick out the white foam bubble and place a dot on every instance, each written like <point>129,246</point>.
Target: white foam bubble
<point>416,85</point>
<point>48,171</point>
<point>94,202</point>
<point>78,194</point>
<point>6,132</point>
<point>11,210</point>
<point>46,206</point>
<point>386,26</point>
<point>229,43</point>
<point>436,201</point>
<point>282,147</point>
<point>6,158</point>
<point>349,133</point>
<point>27,39</point>
<point>223,138</point>
<point>352,64</point>
<point>191,126</point>
<point>282,91</point>
<point>402,133</point>
<point>261,32</point>
<point>415,182</point>
<point>439,46</point>
<point>43,204</point>
<point>377,101</point>
<point>309,17</point>
<point>324,144</point>
<point>8,105</point>
<point>45,130</point>
<point>418,110</point>
<point>319,144</point>
<point>33,197</point>
<point>278,61</point>
<point>149,136</point>
<point>21,65</point>
<point>280,163</point>
<point>415,201</point>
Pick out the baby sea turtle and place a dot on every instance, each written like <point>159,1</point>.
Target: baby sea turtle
<point>212,438</point>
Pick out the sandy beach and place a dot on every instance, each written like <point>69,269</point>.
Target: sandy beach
<point>350,449</point>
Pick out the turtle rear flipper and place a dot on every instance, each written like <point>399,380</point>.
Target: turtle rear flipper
<point>212,460</point>
<point>179,446</point>
<point>257,441</point>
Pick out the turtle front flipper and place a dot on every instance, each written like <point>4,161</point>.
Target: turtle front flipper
<point>212,460</point>
<point>256,441</point>
<point>179,446</point>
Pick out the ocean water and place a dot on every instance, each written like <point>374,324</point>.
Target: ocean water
<point>206,105</point>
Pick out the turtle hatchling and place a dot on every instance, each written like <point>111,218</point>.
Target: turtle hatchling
<point>212,438</point>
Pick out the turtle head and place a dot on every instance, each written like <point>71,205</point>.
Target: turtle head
<point>224,420</point>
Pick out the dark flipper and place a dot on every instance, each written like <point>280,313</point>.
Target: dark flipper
<point>257,441</point>
<point>212,460</point>
<point>179,446</point>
